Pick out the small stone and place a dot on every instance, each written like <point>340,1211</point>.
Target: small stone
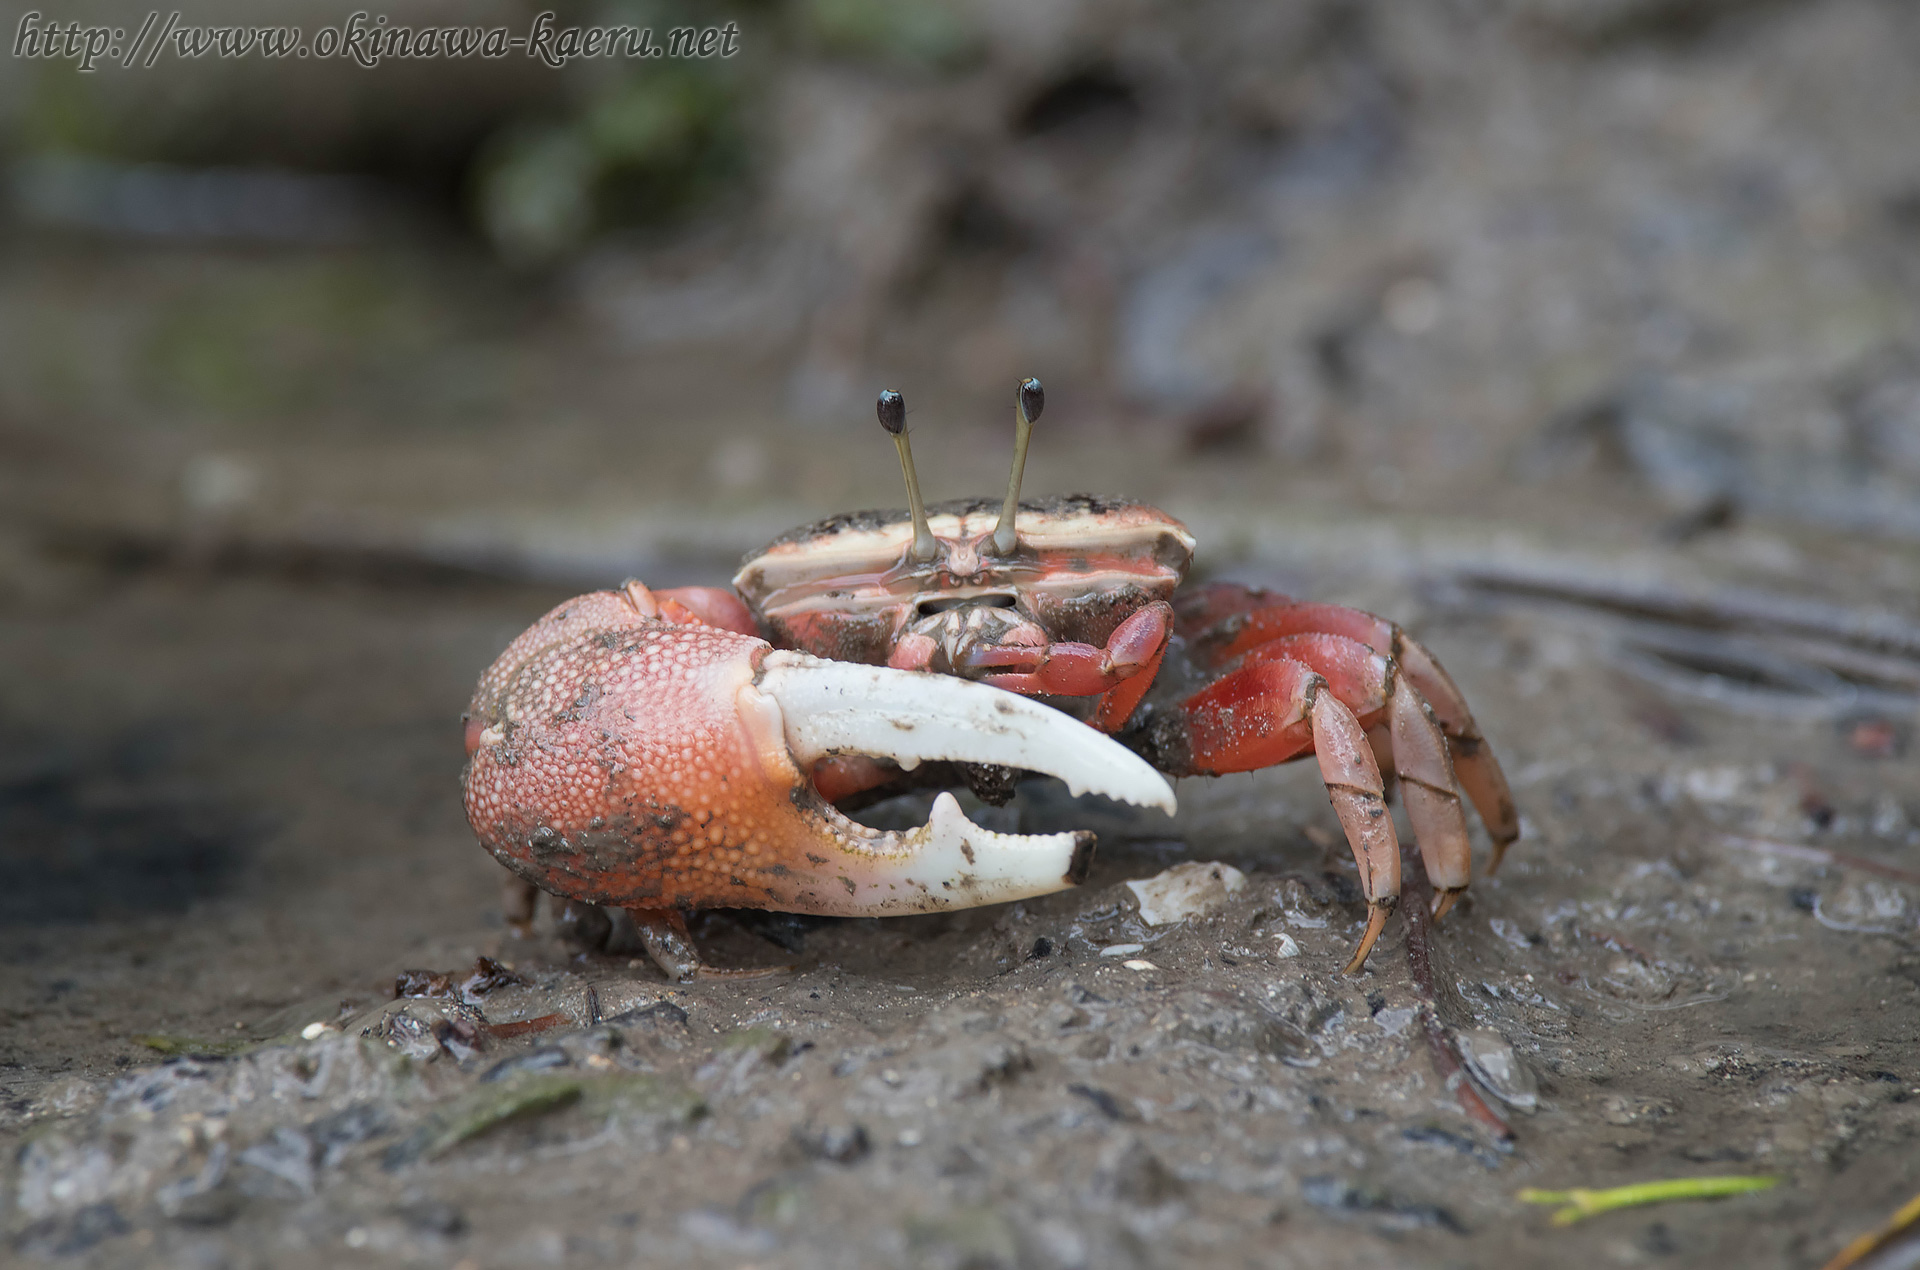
<point>67,1234</point>
<point>1134,1175</point>
<point>1067,1017</point>
<point>422,983</point>
<point>1186,890</point>
<point>74,1096</point>
<point>542,1059</point>
<point>1223,1022</point>
<point>1864,906</point>
<point>1631,979</point>
<point>434,1217</point>
<point>1104,1102</point>
<point>1394,1021</point>
<point>836,1143</point>
<point>214,1207</point>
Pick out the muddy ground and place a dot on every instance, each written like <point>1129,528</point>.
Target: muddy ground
<point>231,820</point>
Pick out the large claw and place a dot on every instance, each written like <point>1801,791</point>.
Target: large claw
<point>835,707</point>
<point>620,759</point>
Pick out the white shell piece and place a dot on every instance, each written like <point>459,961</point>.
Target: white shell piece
<point>1498,1069</point>
<point>835,707</point>
<point>1186,890</point>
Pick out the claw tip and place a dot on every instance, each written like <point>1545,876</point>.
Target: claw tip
<point>1376,922</point>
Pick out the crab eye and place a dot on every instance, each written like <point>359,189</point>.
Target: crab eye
<point>1033,399</point>
<point>1028,401</point>
<point>892,409</point>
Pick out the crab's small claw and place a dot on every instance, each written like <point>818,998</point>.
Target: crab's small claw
<point>625,760</point>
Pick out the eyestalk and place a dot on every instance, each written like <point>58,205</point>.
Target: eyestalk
<point>1028,402</point>
<point>892,409</point>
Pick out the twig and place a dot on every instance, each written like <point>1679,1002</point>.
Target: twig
<point>1583,1202</point>
<point>521,1027</point>
<point>1416,899</point>
<point>1725,610</point>
<point>1873,1241</point>
<point>1818,855</point>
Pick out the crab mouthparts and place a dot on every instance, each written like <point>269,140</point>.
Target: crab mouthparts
<point>827,708</point>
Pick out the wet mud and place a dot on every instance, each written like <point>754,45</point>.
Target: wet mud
<point>246,1021</point>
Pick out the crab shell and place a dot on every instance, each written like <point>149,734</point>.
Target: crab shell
<point>846,587</point>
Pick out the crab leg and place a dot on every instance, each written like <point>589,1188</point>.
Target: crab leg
<point>1070,669</point>
<point>1277,709</point>
<point>1406,741</point>
<point>621,759</point>
<point>1225,620</point>
<point>1473,762</point>
<point>664,934</point>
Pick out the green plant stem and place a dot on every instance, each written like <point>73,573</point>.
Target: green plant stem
<point>1582,1201</point>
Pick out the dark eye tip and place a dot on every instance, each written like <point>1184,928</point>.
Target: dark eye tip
<point>1033,399</point>
<point>892,409</point>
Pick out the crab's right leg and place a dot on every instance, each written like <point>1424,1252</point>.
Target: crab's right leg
<point>517,899</point>
<point>1275,710</point>
<point>664,934</point>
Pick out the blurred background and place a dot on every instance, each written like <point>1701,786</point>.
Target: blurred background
<point>1645,263</point>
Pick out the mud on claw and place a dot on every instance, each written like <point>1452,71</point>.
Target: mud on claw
<point>668,751</point>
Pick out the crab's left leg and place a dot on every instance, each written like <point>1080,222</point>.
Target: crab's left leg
<point>1278,709</point>
<point>1222,621</point>
<point>1406,742</point>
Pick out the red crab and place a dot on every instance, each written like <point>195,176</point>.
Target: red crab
<point>683,749</point>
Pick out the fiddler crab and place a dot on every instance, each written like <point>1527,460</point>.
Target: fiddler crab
<point>674,750</point>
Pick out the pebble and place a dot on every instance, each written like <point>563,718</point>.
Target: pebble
<point>1193,889</point>
<point>1494,1064</point>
